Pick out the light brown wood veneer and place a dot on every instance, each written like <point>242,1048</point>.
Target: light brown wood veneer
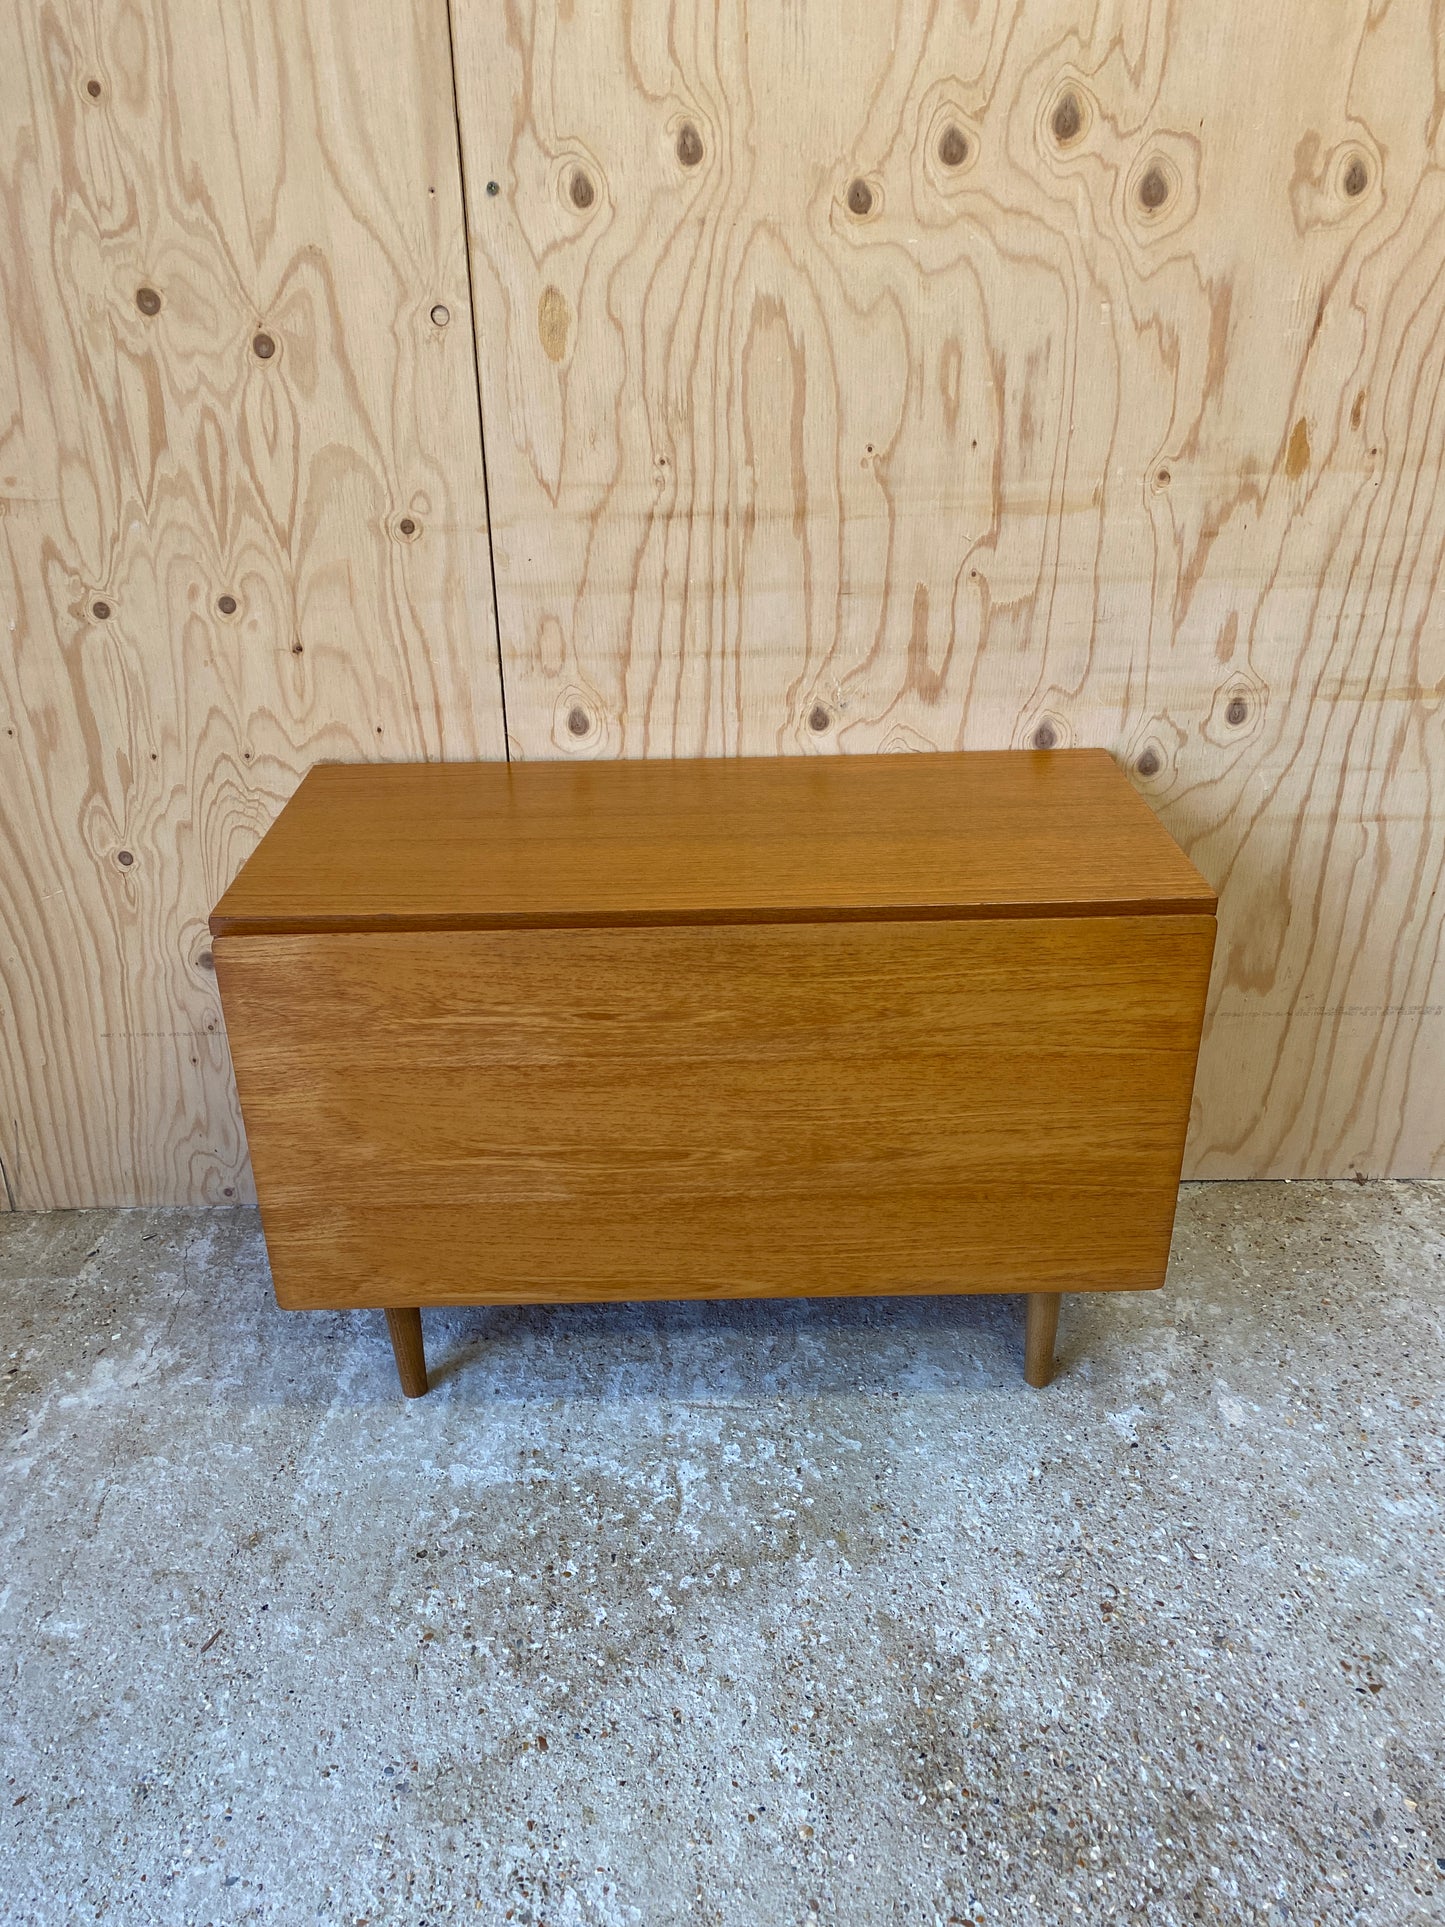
<point>868,1025</point>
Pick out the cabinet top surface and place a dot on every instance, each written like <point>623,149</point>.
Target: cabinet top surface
<point>428,846</point>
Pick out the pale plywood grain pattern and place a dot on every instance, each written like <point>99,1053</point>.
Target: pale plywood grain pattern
<point>522,1116</point>
<point>1106,410</point>
<point>279,169</point>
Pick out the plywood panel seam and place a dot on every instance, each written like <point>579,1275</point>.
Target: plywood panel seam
<point>466,199</point>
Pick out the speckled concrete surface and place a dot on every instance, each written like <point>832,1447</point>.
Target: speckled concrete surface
<point>728,1614</point>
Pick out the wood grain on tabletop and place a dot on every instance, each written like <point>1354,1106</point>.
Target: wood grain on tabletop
<point>985,373</point>
<point>978,1104</point>
<point>451,846</point>
<point>242,522</point>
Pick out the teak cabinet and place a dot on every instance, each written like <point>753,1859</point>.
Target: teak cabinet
<point>544,1032</point>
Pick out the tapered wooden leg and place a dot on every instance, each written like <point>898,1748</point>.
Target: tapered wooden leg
<point>406,1341</point>
<point>1041,1324</point>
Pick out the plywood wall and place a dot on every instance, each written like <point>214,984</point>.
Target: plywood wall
<point>242,520</point>
<point>855,374</point>
<point>909,374</point>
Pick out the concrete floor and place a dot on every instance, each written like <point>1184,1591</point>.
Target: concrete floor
<point>781,1613</point>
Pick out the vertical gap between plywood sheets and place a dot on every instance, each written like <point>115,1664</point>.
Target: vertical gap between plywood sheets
<point>466,193</point>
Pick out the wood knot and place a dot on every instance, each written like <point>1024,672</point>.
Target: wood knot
<point>407,525</point>
<point>1067,119</point>
<point>124,859</point>
<point>578,721</point>
<point>101,611</point>
<point>147,300</point>
<point>94,89</point>
<point>582,191</point>
<point>1045,736</point>
<point>206,960</point>
<point>1149,763</point>
<point>1297,455</point>
<point>1357,177</point>
<point>860,198</point>
<point>818,719</point>
<point>689,144</point>
<point>1154,188</point>
<point>953,146</point>
<point>554,322</point>
<point>263,347</point>
<point>1237,711</point>
<point>226,604</point>
<point>441,314</point>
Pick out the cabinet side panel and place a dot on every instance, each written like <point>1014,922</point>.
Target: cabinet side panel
<point>715,1112</point>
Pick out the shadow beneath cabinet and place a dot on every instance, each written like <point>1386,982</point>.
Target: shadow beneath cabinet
<point>238,1346</point>
<point>732,1352</point>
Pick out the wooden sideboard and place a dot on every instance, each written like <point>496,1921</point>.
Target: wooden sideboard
<point>543,1032</point>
